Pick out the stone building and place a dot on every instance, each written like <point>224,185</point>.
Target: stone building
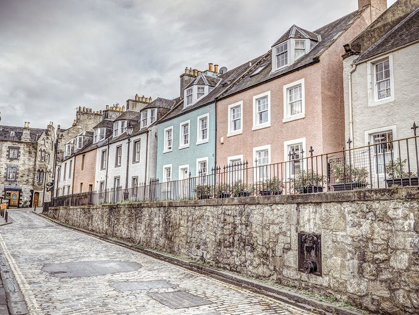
<point>26,164</point>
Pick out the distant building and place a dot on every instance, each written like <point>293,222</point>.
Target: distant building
<point>26,164</point>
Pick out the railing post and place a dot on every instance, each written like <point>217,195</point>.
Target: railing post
<point>370,162</point>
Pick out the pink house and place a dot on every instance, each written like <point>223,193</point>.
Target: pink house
<point>292,97</point>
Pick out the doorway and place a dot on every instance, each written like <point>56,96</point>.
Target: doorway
<point>183,181</point>
<point>36,200</point>
<point>14,199</point>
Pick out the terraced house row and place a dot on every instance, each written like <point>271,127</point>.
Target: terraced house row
<point>312,90</point>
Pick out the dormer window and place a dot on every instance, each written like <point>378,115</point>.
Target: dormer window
<point>79,142</point>
<point>152,115</point>
<point>300,48</point>
<point>189,96</point>
<point>201,92</point>
<point>282,55</point>
<point>100,134</point>
<point>123,126</point>
<point>115,129</point>
<point>144,119</point>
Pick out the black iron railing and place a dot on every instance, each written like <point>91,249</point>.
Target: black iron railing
<point>377,165</point>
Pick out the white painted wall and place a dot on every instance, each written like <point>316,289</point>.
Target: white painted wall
<point>68,181</point>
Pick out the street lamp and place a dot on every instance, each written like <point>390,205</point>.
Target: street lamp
<point>129,133</point>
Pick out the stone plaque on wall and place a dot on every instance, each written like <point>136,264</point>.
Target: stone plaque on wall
<point>310,253</point>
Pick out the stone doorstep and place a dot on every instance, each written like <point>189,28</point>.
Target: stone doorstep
<point>288,297</point>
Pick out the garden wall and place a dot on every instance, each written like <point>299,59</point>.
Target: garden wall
<point>370,240</point>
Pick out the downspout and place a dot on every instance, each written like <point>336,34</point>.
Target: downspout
<point>107,167</point>
<point>216,136</point>
<point>351,120</point>
<point>146,159</point>
<point>74,174</point>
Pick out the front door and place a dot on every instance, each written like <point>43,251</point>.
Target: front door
<point>184,182</point>
<point>14,199</point>
<point>36,200</point>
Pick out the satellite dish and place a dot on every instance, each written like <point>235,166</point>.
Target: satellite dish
<point>223,70</point>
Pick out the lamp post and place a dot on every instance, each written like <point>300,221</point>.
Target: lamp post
<point>129,133</point>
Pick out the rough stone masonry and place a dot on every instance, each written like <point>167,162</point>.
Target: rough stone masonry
<point>370,240</point>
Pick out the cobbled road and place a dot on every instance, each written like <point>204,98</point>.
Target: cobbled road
<point>41,254</point>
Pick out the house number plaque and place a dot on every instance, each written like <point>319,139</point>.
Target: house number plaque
<point>310,253</point>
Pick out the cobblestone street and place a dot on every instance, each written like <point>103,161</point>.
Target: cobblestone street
<point>61,271</point>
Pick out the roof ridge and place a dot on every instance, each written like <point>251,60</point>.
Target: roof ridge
<point>385,36</point>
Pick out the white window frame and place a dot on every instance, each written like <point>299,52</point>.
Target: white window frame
<point>183,166</point>
<point>181,144</point>
<point>239,131</point>
<point>197,91</point>
<point>153,116</point>
<point>202,181</point>
<point>187,94</point>
<point>372,90</point>
<point>79,142</point>
<point>115,129</point>
<point>256,124</point>
<point>165,147</point>
<point>287,116</point>
<point>164,172</point>
<point>286,157</point>
<point>369,133</point>
<point>135,158</point>
<point>255,151</point>
<point>103,159</point>
<point>198,129</point>
<point>144,119</point>
<point>294,48</point>
<point>274,55</point>
<point>118,158</point>
<point>239,173</point>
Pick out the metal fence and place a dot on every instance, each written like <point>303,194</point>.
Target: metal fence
<point>378,165</point>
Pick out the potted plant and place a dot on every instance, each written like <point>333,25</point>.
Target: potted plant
<point>396,174</point>
<point>348,177</point>
<point>223,191</point>
<point>272,186</point>
<point>308,182</point>
<point>203,191</point>
<point>239,189</point>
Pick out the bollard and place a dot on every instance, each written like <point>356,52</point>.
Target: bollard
<point>6,216</point>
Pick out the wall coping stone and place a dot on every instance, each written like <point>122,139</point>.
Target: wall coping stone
<point>401,193</point>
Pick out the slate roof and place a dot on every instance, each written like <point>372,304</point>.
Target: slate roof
<point>35,133</point>
<point>129,115</point>
<point>407,31</point>
<point>161,103</point>
<point>297,32</point>
<point>327,33</point>
<point>225,80</point>
<point>104,124</point>
<point>203,79</point>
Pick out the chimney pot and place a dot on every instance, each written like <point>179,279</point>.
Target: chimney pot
<point>210,66</point>
<point>216,68</point>
<point>107,107</point>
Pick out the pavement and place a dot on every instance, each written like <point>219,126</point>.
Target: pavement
<point>62,271</point>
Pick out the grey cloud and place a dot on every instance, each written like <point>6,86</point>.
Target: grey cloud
<point>57,55</point>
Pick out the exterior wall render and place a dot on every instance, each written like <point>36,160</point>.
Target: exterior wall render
<point>279,131</point>
<point>401,112</point>
<point>87,174</point>
<point>187,156</point>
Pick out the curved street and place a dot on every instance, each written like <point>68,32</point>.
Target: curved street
<point>61,271</point>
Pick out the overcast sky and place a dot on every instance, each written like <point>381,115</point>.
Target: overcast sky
<point>58,55</point>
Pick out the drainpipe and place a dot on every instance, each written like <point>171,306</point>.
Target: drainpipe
<point>107,167</point>
<point>351,120</point>
<point>146,159</point>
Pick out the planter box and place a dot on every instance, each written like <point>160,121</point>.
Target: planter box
<point>413,181</point>
<point>204,197</point>
<point>224,195</point>
<point>243,194</point>
<point>312,189</point>
<point>348,186</point>
<point>269,193</point>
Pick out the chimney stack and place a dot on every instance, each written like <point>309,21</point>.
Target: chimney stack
<point>216,68</point>
<point>210,67</point>
<point>186,78</point>
<point>377,7</point>
<point>26,133</point>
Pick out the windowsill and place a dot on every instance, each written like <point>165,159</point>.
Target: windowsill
<point>262,126</point>
<point>277,69</point>
<point>292,118</point>
<point>202,142</point>
<point>167,151</point>
<point>136,162</point>
<point>183,147</point>
<point>235,133</point>
<point>117,165</point>
<point>382,102</point>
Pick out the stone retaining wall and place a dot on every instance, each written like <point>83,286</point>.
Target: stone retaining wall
<point>370,240</point>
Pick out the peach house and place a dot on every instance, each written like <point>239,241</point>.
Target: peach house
<point>292,97</point>
<point>85,170</point>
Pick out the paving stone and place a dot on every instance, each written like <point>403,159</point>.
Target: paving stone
<point>142,285</point>
<point>124,292</point>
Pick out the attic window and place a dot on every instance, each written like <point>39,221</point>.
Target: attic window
<point>282,55</point>
<point>201,91</point>
<point>189,96</point>
<point>300,49</point>
<point>258,70</point>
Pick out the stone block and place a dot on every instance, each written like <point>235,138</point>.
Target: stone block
<point>378,288</point>
<point>357,286</point>
<point>291,259</point>
<point>399,260</point>
<point>402,240</point>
